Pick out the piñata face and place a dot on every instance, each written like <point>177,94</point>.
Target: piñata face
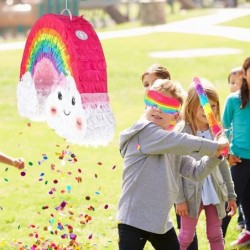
<point>64,80</point>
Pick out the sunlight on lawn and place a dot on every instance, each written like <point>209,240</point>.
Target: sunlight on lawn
<point>32,208</point>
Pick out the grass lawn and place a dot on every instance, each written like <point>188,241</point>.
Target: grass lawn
<point>91,186</point>
<point>242,22</point>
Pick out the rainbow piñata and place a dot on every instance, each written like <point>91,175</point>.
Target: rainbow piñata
<point>63,80</point>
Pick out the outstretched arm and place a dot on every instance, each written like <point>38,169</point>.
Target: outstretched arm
<point>15,162</point>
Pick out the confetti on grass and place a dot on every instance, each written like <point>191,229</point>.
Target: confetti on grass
<point>23,173</point>
<point>45,158</point>
<point>58,232</point>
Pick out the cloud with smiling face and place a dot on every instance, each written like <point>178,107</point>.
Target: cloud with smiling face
<point>65,85</point>
<point>64,111</point>
<point>55,99</point>
<point>83,119</point>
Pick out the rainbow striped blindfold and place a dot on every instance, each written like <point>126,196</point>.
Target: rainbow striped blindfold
<point>166,104</point>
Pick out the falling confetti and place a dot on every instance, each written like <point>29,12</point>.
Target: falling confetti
<point>52,166</point>
<point>69,188</point>
<point>72,236</point>
<point>23,173</point>
<point>56,227</point>
<point>45,158</point>
<point>79,179</point>
<point>61,206</point>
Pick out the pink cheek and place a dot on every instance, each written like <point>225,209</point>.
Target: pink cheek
<point>79,123</point>
<point>53,110</point>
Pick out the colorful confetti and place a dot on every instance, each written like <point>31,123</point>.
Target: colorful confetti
<point>23,173</point>
<point>61,206</point>
<point>56,227</point>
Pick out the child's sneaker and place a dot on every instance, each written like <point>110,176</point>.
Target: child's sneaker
<point>244,239</point>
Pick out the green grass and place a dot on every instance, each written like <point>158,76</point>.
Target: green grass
<point>242,22</point>
<point>22,198</point>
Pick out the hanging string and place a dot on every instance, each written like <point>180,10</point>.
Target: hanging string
<point>66,9</point>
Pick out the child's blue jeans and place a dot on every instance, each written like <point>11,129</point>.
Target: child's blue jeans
<point>132,238</point>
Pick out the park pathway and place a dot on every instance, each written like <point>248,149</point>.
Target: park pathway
<point>204,25</point>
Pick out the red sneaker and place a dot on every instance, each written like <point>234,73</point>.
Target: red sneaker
<point>244,239</point>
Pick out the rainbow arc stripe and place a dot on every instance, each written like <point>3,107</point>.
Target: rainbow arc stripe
<point>166,104</point>
<point>48,43</point>
<point>57,44</point>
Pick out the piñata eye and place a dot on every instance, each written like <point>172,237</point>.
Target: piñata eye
<point>73,101</point>
<point>60,96</point>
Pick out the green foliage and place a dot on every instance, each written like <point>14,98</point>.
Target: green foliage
<point>22,216</point>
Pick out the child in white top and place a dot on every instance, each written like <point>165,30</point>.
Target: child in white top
<point>211,193</point>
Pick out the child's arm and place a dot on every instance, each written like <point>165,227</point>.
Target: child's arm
<point>233,160</point>
<point>231,207</point>
<point>198,170</point>
<point>182,209</point>
<point>15,162</point>
<point>227,178</point>
<point>154,140</point>
<point>181,204</point>
<point>223,144</point>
